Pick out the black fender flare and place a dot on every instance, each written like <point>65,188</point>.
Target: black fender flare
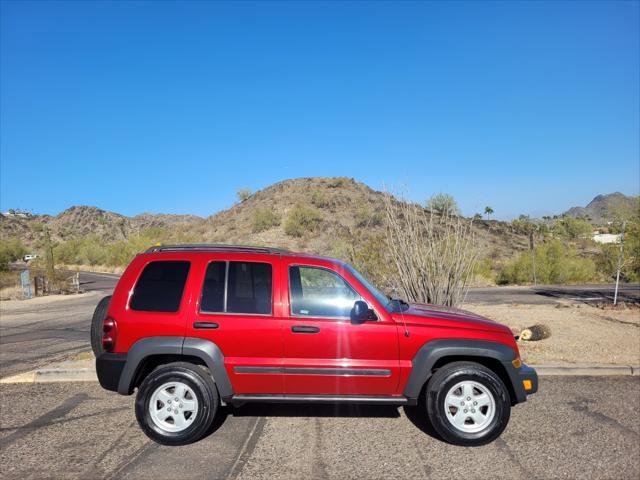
<point>206,350</point>
<point>432,351</point>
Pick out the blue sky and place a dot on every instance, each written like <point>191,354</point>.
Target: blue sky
<point>530,107</point>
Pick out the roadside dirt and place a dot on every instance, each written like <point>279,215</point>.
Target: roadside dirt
<point>579,333</point>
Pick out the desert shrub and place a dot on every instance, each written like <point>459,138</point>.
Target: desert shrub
<point>243,194</point>
<point>443,203</point>
<point>609,255</point>
<point>321,199</point>
<point>11,249</point>
<point>483,268</point>
<point>365,216</point>
<point>571,228</point>
<point>301,219</point>
<point>337,182</point>
<point>366,252</point>
<point>433,254</point>
<point>264,219</point>
<point>555,263</point>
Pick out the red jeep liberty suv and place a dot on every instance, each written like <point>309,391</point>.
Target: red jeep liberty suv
<point>194,327</point>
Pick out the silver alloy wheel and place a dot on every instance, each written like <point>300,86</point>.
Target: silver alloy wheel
<point>469,406</point>
<point>173,406</point>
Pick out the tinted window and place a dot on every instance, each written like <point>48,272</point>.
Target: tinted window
<point>160,287</point>
<point>213,288</point>
<point>317,292</point>
<point>248,291</point>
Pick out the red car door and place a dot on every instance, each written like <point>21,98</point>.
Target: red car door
<point>324,352</point>
<point>238,308</point>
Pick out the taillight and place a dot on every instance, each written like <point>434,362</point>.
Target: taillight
<point>109,333</point>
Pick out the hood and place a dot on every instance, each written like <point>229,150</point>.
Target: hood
<point>422,313</point>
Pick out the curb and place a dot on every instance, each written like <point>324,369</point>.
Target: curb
<point>53,375</point>
<point>587,370</point>
<point>56,375</point>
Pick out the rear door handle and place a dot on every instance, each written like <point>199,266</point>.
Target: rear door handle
<point>304,329</point>
<point>205,325</point>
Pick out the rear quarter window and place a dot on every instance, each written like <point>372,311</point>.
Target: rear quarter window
<point>160,287</point>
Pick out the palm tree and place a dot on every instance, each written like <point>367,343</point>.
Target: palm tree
<point>488,211</point>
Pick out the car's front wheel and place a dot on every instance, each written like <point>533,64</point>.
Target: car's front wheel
<point>176,403</point>
<point>467,403</point>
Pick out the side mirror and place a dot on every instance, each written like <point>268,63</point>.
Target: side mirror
<point>360,312</point>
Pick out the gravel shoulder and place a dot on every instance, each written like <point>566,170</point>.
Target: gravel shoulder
<point>580,333</point>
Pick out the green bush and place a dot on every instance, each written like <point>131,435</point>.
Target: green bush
<point>301,219</point>
<point>336,182</point>
<point>572,228</point>
<point>243,194</point>
<point>555,263</point>
<point>11,249</point>
<point>264,219</point>
<point>365,216</point>
<point>321,199</point>
<point>484,269</point>
<point>443,203</point>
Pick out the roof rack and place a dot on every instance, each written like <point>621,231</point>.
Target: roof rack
<point>213,247</point>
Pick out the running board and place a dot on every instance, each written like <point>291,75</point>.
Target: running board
<point>356,399</point>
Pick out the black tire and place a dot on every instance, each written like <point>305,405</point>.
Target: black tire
<point>200,381</point>
<point>444,380</point>
<point>99,315</point>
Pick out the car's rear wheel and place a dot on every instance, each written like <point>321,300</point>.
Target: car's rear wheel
<point>99,314</point>
<point>467,403</point>
<point>176,403</point>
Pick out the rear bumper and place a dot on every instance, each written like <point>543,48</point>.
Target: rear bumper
<point>109,368</point>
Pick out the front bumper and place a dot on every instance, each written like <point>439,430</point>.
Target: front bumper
<point>524,381</point>
<point>109,368</point>
<point>528,378</point>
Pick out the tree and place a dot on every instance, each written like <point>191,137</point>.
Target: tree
<point>488,211</point>
<point>243,194</point>
<point>443,203</point>
<point>477,216</point>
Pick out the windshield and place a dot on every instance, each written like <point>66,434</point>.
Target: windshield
<point>390,304</point>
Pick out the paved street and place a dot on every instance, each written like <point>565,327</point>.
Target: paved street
<point>35,332</point>
<point>549,294</point>
<point>575,427</point>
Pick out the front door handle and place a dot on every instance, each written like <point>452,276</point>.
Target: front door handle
<point>205,325</point>
<point>304,329</point>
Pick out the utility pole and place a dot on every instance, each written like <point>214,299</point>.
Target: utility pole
<point>48,252</point>
<point>615,295</point>
<point>533,256</point>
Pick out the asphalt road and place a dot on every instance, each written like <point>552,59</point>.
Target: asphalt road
<point>575,427</point>
<point>550,294</point>
<point>36,332</point>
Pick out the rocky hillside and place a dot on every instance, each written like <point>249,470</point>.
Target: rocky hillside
<point>604,208</point>
<point>343,213</point>
<point>79,221</point>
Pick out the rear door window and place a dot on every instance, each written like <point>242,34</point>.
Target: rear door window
<point>160,287</point>
<point>248,288</point>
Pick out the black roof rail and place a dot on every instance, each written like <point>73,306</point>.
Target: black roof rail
<point>209,247</point>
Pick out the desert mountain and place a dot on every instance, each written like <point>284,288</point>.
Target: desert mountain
<point>604,208</point>
<point>345,214</point>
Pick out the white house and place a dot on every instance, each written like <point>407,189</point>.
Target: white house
<point>606,237</point>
